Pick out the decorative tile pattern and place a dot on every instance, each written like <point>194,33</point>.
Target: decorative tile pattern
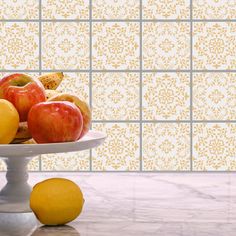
<point>65,45</point>
<point>34,75</point>
<point>71,161</point>
<point>32,166</point>
<point>19,9</point>
<point>214,147</point>
<point>166,96</point>
<point>116,96</point>
<point>214,45</point>
<point>114,9</point>
<point>77,84</point>
<point>166,146</point>
<point>166,9</point>
<point>19,45</point>
<point>115,45</point>
<point>166,45</point>
<point>120,150</point>
<point>65,9</point>
<point>214,9</point>
<point>214,96</point>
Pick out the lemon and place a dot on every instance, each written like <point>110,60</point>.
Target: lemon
<point>56,201</point>
<point>9,121</point>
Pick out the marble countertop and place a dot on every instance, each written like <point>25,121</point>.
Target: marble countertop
<point>140,204</point>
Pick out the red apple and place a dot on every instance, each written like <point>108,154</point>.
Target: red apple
<point>22,91</point>
<point>53,122</point>
<point>83,106</point>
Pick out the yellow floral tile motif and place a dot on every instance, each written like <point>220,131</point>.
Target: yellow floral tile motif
<point>115,45</point>
<point>32,166</point>
<point>120,151</point>
<point>71,161</point>
<point>214,147</point>
<point>19,45</point>
<point>65,45</point>
<point>166,146</point>
<point>166,9</point>
<point>166,45</point>
<point>214,45</point>
<point>19,9</point>
<point>34,75</point>
<point>166,96</point>
<point>115,9</point>
<point>65,9</point>
<point>76,84</point>
<point>214,96</point>
<point>214,9</point>
<point>115,96</point>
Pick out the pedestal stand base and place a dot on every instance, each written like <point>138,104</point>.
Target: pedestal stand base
<point>14,196</point>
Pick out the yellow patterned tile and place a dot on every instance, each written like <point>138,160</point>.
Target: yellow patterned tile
<point>34,75</point>
<point>72,161</point>
<point>166,45</point>
<point>113,9</point>
<point>65,9</point>
<point>166,96</point>
<point>77,84</point>
<point>19,9</point>
<point>120,150</point>
<point>166,9</point>
<point>166,146</point>
<point>214,9</point>
<point>65,45</point>
<point>214,147</point>
<point>214,45</point>
<point>214,96</point>
<point>19,45</point>
<point>116,45</point>
<point>32,166</point>
<point>115,96</point>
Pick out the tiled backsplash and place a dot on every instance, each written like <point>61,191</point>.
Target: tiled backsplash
<point>160,77</point>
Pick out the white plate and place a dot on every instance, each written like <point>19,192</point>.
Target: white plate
<point>90,140</point>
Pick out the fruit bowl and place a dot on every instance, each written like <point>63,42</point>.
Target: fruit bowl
<point>14,196</point>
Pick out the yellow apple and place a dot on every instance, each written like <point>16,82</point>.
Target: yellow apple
<point>9,121</point>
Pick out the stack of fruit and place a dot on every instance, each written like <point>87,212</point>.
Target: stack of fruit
<point>32,111</point>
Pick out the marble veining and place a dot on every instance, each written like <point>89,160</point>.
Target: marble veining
<point>140,204</point>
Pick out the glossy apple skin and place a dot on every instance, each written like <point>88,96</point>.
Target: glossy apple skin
<point>83,106</point>
<point>23,92</point>
<point>53,122</point>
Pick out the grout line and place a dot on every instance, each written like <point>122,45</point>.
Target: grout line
<point>136,171</point>
<point>90,73</point>
<point>164,121</point>
<point>141,88</point>
<point>191,86</point>
<point>118,71</point>
<point>117,20</point>
<point>40,59</point>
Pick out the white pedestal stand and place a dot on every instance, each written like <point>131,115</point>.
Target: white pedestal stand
<point>14,196</point>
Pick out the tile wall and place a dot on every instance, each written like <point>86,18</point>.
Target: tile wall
<point>160,77</point>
